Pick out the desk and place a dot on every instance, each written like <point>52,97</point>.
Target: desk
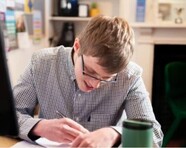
<point>7,141</point>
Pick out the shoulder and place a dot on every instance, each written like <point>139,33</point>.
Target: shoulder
<point>133,69</point>
<point>48,54</point>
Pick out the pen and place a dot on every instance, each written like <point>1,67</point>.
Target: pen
<point>60,114</point>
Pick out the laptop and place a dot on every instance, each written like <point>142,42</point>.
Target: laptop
<point>8,118</point>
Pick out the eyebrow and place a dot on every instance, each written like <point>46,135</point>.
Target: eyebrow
<point>94,72</point>
<point>91,70</point>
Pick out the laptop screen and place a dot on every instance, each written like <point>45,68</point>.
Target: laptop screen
<point>8,119</point>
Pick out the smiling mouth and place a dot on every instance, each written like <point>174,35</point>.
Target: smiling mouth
<point>88,87</point>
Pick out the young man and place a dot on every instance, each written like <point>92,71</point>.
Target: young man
<point>92,84</point>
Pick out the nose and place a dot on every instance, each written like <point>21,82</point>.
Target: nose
<point>95,83</point>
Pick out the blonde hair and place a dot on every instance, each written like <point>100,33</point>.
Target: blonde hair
<point>111,39</point>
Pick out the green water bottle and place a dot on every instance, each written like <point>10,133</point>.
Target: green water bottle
<point>137,133</point>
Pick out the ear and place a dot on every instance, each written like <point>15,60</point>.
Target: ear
<point>76,45</point>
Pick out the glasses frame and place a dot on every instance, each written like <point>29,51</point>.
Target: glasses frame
<point>114,79</point>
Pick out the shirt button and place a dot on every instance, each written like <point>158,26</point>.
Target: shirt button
<point>77,119</point>
<point>79,95</point>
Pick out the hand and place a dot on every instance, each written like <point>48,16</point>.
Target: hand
<point>105,137</point>
<point>59,130</point>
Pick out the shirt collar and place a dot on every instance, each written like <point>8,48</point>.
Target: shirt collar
<point>70,65</point>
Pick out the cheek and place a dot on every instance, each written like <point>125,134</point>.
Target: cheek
<point>78,74</point>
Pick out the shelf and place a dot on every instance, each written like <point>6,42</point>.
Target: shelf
<point>59,18</point>
<point>134,25</point>
<point>170,1</point>
<point>158,25</point>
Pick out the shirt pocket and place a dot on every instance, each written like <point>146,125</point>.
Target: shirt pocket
<point>96,121</point>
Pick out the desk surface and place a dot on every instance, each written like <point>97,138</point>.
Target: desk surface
<point>7,141</point>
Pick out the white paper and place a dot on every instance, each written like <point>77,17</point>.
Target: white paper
<point>25,144</point>
<point>48,143</point>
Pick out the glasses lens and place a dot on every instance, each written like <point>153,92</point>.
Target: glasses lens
<point>111,79</point>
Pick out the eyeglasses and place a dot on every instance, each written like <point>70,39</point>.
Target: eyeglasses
<point>112,79</point>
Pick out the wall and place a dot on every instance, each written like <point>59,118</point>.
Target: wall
<point>18,59</point>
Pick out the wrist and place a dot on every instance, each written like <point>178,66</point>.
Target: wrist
<point>116,137</point>
<point>37,130</point>
<point>33,132</point>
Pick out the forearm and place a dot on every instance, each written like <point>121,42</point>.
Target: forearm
<point>26,123</point>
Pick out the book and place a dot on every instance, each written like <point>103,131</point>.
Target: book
<point>3,26</point>
<point>28,6</point>
<point>140,10</point>
<point>2,5</point>
<point>11,29</point>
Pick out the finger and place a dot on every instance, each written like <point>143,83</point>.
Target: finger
<point>62,136</point>
<point>74,125</point>
<point>85,144</point>
<point>67,141</point>
<point>68,136</point>
<point>85,131</point>
<point>77,141</point>
<point>71,131</point>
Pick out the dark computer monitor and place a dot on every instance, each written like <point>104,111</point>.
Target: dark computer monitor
<point>8,119</point>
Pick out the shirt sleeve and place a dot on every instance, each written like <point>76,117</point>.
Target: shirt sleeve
<point>25,100</point>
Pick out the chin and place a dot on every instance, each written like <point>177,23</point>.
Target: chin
<point>86,89</point>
